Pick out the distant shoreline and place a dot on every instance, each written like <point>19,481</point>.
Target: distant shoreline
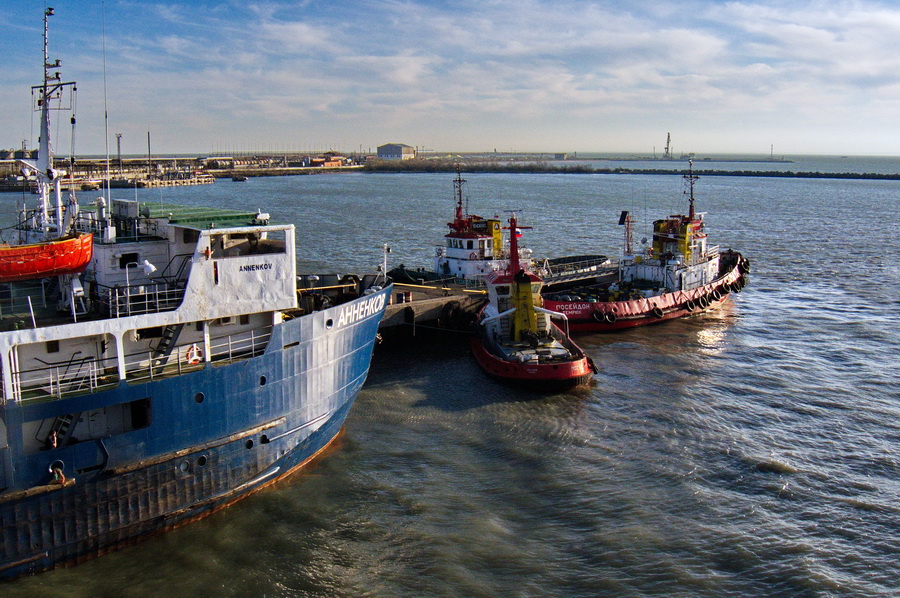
<point>423,166</point>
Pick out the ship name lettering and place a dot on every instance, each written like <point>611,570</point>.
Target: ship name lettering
<point>573,307</point>
<point>360,310</point>
<point>254,267</point>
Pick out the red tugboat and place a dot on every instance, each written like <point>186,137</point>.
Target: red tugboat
<point>680,275</point>
<point>516,341</point>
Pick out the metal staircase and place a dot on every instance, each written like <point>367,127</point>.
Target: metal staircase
<point>62,429</point>
<point>166,343</point>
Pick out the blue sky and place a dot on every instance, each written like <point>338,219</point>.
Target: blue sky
<point>513,75</point>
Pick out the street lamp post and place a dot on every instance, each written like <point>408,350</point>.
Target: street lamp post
<point>147,268</point>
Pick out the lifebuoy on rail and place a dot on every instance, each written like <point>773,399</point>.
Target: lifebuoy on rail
<point>193,355</point>
<point>473,256</point>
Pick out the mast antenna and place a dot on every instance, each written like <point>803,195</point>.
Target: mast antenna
<point>689,178</point>
<point>626,220</point>
<point>457,188</point>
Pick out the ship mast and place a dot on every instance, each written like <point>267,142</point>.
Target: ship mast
<point>45,151</point>
<point>690,177</point>
<point>514,232</point>
<point>48,177</point>
<point>457,190</point>
<point>513,246</point>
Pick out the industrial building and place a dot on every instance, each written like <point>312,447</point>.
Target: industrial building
<point>396,151</point>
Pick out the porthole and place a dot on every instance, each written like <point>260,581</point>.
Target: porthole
<point>249,443</point>
<point>264,439</point>
<point>262,380</point>
<point>199,397</point>
<point>184,466</point>
<point>201,461</point>
<point>329,323</point>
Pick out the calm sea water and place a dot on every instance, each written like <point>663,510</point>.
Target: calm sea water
<point>753,451</point>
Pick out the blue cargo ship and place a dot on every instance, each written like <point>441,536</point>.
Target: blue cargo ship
<point>180,371</point>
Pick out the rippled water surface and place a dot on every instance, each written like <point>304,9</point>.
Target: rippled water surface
<point>753,451</point>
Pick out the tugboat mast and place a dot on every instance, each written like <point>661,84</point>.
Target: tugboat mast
<point>690,177</point>
<point>457,190</point>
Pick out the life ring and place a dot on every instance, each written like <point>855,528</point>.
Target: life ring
<point>690,305</point>
<point>656,311</point>
<point>473,256</point>
<point>193,355</point>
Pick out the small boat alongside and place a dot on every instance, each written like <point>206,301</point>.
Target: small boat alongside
<point>516,339</point>
<point>679,275</point>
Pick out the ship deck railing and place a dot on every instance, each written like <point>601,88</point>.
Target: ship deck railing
<point>31,304</point>
<point>90,375</point>
<point>141,299</point>
<point>55,381</point>
<point>22,298</point>
<point>149,365</point>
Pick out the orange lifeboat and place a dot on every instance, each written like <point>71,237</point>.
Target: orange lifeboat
<point>69,255</point>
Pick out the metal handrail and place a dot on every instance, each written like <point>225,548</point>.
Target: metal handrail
<point>56,380</point>
<point>155,298</point>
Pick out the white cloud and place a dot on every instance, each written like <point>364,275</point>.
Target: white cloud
<point>563,73</point>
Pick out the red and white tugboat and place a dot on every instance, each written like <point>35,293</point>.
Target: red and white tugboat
<point>474,246</point>
<point>679,275</point>
<point>516,340</point>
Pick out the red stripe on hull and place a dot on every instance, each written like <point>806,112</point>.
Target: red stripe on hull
<point>588,316</point>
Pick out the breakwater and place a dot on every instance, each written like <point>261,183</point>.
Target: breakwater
<point>434,166</point>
